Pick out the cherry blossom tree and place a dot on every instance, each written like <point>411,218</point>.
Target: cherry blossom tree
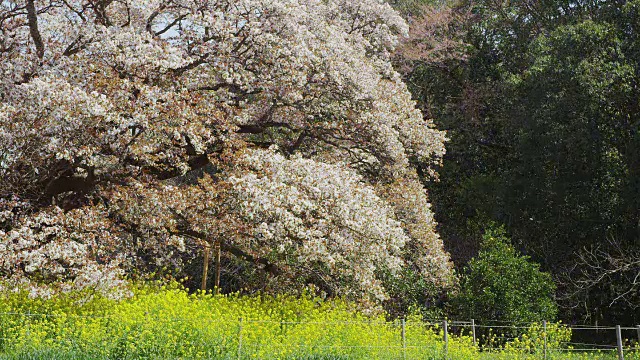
<point>132,131</point>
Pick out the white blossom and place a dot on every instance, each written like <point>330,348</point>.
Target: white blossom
<point>140,127</point>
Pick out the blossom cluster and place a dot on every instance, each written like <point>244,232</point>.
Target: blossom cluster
<point>134,131</point>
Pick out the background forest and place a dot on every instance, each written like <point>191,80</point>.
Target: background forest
<point>540,103</point>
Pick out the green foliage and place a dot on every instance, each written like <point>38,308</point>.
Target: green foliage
<point>544,130</point>
<point>410,292</point>
<point>501,285</point>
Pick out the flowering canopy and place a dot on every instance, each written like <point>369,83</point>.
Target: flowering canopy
<point>132,129</point>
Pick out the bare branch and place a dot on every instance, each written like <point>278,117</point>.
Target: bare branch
<point>617,267</point>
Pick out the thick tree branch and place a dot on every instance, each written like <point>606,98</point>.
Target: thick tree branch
<point>190,66</point>
<point>170,25</point>
<point>268,266</point>
<point>32,17</point>
<point>76,46</point>
<point>260,128</point>
<point>236,251</point>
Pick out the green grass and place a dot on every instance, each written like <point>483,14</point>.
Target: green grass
<point>168,323</point>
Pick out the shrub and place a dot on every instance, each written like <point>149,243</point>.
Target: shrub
<point>502,285</point>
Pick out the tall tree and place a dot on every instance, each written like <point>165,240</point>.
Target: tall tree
<point>133,132</point>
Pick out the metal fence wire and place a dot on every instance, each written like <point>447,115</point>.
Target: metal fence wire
<point>542,339</point>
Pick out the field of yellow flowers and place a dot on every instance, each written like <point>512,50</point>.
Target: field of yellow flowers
<point>169,323</point>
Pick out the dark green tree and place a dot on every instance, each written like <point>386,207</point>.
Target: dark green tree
<point>501,285</point>
<point>543,119</point>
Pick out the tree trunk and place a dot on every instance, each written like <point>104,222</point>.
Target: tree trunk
<point>205,267</point>
<point>217,278</point>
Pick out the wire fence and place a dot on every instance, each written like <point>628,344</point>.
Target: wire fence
<point>402,339</point>
<point>619,340</point>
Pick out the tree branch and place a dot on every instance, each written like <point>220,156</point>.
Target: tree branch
<point>260,128</point>
<point>236,251</point>
<point>192,65</point>
<point>32,17</point>
<point>170,25</point>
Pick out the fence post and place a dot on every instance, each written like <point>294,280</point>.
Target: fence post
<point>404,339</point>
<point>239,338</point>
<point>638,331</point>
<point>619,336</point>
<point>446,339</point>
<point>544,333</point>
<point>473,332</point>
